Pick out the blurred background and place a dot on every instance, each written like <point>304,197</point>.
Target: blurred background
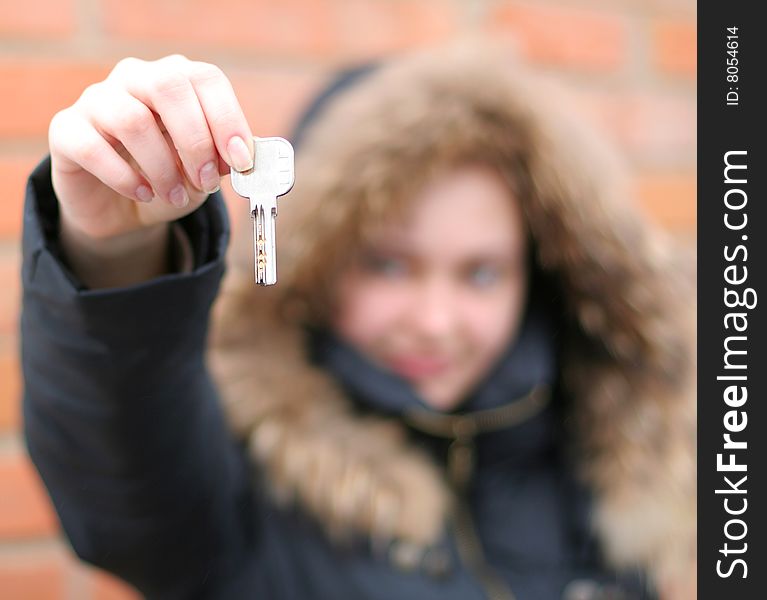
<point>631,66</point>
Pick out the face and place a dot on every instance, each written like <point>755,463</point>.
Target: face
<point>438,298</point>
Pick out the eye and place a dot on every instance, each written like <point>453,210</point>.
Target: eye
<point>384,265</point>
<point>483,275</point>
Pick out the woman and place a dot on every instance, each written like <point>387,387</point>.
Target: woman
<point>473,378</point>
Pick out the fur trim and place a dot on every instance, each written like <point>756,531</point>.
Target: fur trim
<point>354,475</point>
<point>627,291</point>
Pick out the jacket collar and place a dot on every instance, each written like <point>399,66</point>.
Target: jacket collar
<point>512,396</point>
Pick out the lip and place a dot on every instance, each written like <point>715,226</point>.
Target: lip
<point>418,367</point>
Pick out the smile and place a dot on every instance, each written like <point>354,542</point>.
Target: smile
<point>418,367</point>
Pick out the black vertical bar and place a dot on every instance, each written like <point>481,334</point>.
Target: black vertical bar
<point>731,119</point>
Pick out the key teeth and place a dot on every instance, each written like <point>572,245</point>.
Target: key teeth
<point>263,240</point>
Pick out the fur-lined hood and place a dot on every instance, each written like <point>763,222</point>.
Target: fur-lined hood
<point>628,295</point>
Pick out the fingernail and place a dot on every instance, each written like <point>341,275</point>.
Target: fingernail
<point>239,155</point>
<point>178,196</point>
<point>144,193</point>
<point>209,177</point>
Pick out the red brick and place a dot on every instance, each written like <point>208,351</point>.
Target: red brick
<point>10,390</point>
<point>563,36</point>
<point>653,128</point>
<point>271,99</point>
<point>10,265</point>
<point>34,90</point>
<point>674,47</point>
<point>670,198</point>
<point>660,128</point>
<point>37,19</point>
<point>275,28</point>
<point>666,7</point>
<point>25,509</point>
<point>370,28</point>
<point>14,171</point>
<point>636,7</point>
<point>354,28</point>
<point>34,575</point>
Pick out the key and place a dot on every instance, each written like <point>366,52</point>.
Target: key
<point>272,176</point>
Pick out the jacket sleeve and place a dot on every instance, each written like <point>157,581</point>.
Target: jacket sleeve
<point>121,417</point>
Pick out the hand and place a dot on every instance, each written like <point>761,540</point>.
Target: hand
<point>165,129</point>
<point>140,149</point>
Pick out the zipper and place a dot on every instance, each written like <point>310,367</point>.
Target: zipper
<point>472,556</point>
<point>460,467</point>
<point>491,419</point>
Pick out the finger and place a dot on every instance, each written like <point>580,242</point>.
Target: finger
<point>169,93</point>
<point>224,115</point>
<point>78,142</point>
<point>133,124</point>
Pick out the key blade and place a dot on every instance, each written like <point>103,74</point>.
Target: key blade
<point>264,225</point>
<point>272,175</point>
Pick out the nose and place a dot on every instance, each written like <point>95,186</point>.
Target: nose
<point>434,310</point>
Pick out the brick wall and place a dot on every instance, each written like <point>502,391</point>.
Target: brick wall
<point>631,64</point>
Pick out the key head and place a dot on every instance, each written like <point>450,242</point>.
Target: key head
<point>273,173</point>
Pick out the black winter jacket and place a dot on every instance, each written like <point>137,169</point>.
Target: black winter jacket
<point>124,424</point>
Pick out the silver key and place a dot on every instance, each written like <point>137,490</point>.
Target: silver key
<point>273,175</point>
